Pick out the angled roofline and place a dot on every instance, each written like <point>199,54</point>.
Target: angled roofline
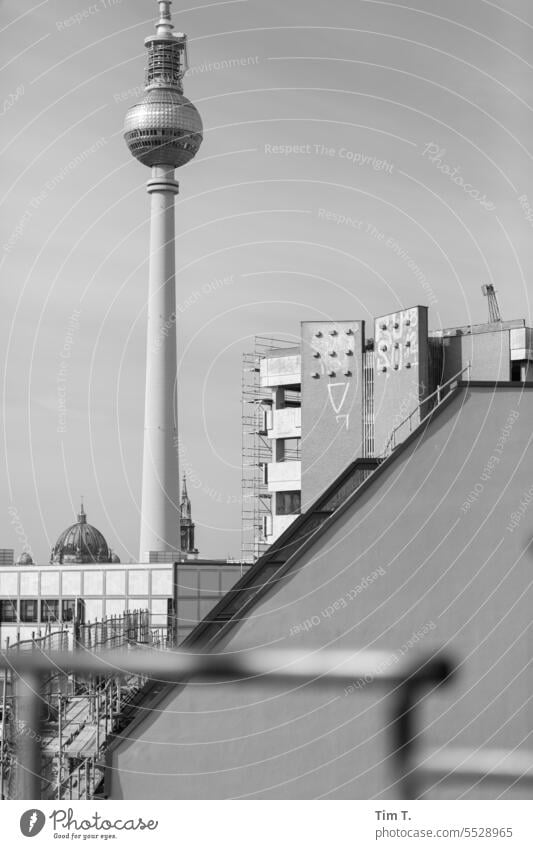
<point>194,639</point>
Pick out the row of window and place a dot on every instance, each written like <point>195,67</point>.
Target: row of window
<point>28,610</point>
<point>190,609</point>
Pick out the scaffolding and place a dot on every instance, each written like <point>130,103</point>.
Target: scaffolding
<point>256,450</point>
<point>80,713</point>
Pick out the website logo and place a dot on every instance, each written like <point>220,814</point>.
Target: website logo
<point>32,822</point>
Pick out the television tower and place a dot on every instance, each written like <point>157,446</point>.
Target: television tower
<point>163,131</point>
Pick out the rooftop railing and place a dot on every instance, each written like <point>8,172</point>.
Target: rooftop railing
<point>423,410</point>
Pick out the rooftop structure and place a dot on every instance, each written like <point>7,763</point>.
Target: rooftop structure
<point>338,396</point>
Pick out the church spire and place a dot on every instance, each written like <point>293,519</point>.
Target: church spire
<point>82,518</point>
<point>186,523</point>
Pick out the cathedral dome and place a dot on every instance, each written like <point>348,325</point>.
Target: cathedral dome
<point>25,559</point>
<point>81,543</point>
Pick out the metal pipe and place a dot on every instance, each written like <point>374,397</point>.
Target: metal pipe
<point>60,749</point>
<point>28,763</point>
<point>321,667</point>
<point>97,702</point>
<point>4,727</point>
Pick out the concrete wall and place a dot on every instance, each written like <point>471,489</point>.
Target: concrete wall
<point>284,477</point>
<point>445,548</point>
<point>401,373</point>
<point>332,401</point>
<point>281,369</point>
<point>488,353</point>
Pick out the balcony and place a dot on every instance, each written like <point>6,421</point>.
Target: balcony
<point>282,369</point>
<point>285,423</point>
<point>284,476</point>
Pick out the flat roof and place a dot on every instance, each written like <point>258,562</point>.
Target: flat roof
<point>487,327</point>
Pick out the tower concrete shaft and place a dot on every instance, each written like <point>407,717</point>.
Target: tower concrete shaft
<point>160,527</point>
<point>163,131</point>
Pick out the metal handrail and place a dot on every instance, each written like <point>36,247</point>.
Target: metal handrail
<point>437,392</point>
<point>358,669</point>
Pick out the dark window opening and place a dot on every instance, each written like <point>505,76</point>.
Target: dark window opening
<point>8,611</point>
<point>516,371</point>
<point>287,503</point>
<point>28,610</point>
<point>50,610</point>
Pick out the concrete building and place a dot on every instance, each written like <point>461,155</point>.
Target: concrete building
<point>85,580</point>
<point>338,396</point>
<point>32,598</point>
<point>429,550</point>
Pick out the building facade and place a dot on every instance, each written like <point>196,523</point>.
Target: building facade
<point>338,396</point>
<point>33,598</point>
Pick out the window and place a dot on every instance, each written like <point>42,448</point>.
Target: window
<point>115,582</point>
<point>291,448</point>
<point>287,503</point>
<point>28,610</point>
<point>93,583</point>
<point>8,611</point>
<point>49,583</point>
<point>162,582</point>
<point>49,610</point>
<point>266,526</point>
<point>138,582</point>
<point>68,608</point>
<point>29,583</point>
<point>71,583</point>
<point>94,609</point>
<point>8,583</point>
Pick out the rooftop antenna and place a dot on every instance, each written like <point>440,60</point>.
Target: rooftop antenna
<point>494,311</point>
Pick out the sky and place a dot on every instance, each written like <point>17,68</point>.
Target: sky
<point>346,144</point>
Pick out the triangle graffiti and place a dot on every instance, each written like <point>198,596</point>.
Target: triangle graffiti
<point>337,395</point>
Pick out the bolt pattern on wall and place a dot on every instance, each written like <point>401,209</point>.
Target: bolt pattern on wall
<point>396,341</point>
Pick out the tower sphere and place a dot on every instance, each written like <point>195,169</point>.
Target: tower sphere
<point>164,128</point>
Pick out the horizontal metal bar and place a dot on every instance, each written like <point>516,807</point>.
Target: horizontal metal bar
<point>496,764</point>
<point>325,667</point>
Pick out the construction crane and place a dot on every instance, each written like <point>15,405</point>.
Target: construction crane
<point>494,311</point>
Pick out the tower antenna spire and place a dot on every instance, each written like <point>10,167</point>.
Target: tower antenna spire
<point>164,26</point>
